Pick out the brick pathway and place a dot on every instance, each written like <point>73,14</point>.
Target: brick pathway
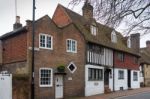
<point>114,95</point>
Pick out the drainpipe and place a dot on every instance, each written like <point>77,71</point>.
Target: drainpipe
<point>113,72</point>
<point>33,34</point>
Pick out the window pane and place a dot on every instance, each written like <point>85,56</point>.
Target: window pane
<point>48,42</point>
<point>42,40</point>
<point>73,45</point>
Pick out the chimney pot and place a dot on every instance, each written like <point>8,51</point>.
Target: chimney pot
<point>17,19</point>
<point>17,24</point>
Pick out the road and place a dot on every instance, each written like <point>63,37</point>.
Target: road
<point>137,96</point>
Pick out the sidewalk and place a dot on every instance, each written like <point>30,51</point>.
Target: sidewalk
<point>114,95</point>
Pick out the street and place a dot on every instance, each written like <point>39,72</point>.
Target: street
<point>137,96</point>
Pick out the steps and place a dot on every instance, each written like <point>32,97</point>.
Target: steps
<point>107,89</point>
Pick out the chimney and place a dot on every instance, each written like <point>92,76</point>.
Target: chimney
<point>87,11</point>
<point>148,44</point>
<point>135,42</point>
<point>17,25</point>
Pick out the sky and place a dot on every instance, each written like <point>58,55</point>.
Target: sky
<point>8,13</point>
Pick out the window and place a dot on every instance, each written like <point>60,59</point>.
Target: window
<point>113,37</point>
<point>72,67</point>
<point>45,41</point>
<point>120,56</point>
<point>120,74</point>
<point>95,74</point>
<point>93,30</point>
<point>135,76</point>
<point>71,45</point>
<point>129,42</point>
<point>45,77</point>
<point>96,48</point>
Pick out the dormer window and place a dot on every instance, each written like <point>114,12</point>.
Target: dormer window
<point>113,37</point>
<point>93,30</point>
<point>129,42</point>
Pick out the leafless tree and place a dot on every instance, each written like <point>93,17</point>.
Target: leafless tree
<point>135,13</point>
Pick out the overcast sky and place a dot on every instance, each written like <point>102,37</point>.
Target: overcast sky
<point>24,10</point>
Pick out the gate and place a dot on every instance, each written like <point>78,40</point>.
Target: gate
<point>5,85</point>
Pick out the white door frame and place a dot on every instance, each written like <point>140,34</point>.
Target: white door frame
<point>59,86</point>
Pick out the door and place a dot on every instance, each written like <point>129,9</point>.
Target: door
<point>106,76</point>
<point>59,86</point>
<point>129,79</point>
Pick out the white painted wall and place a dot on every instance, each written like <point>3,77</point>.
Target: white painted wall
<point>120,82</point>
<point>135,84</point>
<point>5,86</point>
<point>93,87</point>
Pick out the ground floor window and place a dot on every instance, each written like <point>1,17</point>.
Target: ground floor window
<point>45,77</point>
<point>95,74</point>
<point>120,74</point>
<point>135,76</point>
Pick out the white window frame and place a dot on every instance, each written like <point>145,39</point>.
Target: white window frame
<point>135,77</point>
<point>121,76</point>
<point>93,30</point>
<point>71,46</point>
<point>46,35</point>
<point>93,74</point>
<point>49,85</point>
<point>129,42</point>
<point>113,37</point>
<point>74,66</point>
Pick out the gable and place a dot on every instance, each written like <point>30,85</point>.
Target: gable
<point>60,17</point>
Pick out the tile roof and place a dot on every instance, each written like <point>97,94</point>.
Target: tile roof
<point>145,55</point>
<point>104,32</point>
<point>22,29</point>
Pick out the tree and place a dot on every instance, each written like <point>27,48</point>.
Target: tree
<point>134,13</point>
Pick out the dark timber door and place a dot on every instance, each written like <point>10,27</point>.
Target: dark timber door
<point>106,76</point>
<point>129,79</point>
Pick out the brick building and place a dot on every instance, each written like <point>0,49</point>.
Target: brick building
<point>145,65</point>
<point>95,57</point>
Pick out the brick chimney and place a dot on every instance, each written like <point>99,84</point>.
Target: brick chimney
<point>135,42</point>
<point>148,44</point>
<point>87,10</point>
<point>17,24</point>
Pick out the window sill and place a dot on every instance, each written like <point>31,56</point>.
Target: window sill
<point>45,48</point>
<point>71,52</point>
<point>44,86</point>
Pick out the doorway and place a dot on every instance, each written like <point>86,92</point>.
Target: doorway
<point>129,78</point>
<point>58,86</point>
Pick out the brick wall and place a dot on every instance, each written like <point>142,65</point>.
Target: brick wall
<point>53,58</point>
<point>15,48</point>
<point>60,17</point>
<point>128,62</point>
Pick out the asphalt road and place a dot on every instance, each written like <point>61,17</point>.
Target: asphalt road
<point>137,96</point>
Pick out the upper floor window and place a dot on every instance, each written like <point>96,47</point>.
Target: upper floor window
<point>135,76</point>
<point>120,74</point>
<point>45,41</point>
<point>95,48</point>
<point>114,37</point>
<point>45,77</point>
<point>120,56</point>
<point>93,30</point>
<point>71,45</point>
<point>129,42</point>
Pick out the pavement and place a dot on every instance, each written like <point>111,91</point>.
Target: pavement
<point>117,94</point>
